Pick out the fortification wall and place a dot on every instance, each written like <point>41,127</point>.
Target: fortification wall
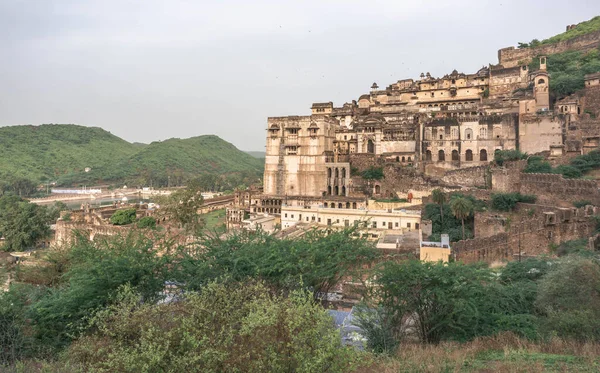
<point>65,231</point>
<point>508,178</point>
<point>471,177</point>
<point>539,228</point>
<point>591,101</point>
<point>510,57</point>
<point>550,188</point>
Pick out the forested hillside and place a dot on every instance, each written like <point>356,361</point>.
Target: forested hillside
<point>61,153</point>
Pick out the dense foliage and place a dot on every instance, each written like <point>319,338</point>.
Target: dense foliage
<point>60,153</point>
<point>578,167</point>
<point>501,156</point>
<point>508,201</point>
<point>372,173</point>
<point>567,70</point>
<point>223,328</point>
<point>582,28</point>
<point>23,224</point>
<point>123,217</point>
<point>444,220</point>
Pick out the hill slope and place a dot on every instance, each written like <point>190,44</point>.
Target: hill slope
<point>174,160</point>
<point>62,152</point>
<point>52,151</point>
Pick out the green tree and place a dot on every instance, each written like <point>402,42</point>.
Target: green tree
<point>462,208</point>
<point>22,224</point>
<point>147,222</point>
<point>439,198</point>
<point>569,298</point>
<point>222,328</point>
<point>123,217</point>
<point>96,270</point>
<point>182,207</point>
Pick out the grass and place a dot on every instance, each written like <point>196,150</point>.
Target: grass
<point>501,353</point>
<point>214,219</point>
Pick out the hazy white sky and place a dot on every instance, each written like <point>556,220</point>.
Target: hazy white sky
<point>150,70</point>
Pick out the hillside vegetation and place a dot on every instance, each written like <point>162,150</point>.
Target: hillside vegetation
<point>582,28</point>
<point>62,152</point>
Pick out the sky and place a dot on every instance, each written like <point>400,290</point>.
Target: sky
<point>150,70</point>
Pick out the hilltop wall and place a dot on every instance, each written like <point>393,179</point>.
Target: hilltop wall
<point>510,57</point>
<point>539,228</point>
<point>553,187</point>
<point>472,177</point>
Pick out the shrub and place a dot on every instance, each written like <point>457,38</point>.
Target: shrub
<point>123,217</point>
<point>223,328</point>
<point>508,201</point>
<point>582,203</point>
<point>372,173</point>
<point>146,222</point>
<point>569,297</point>
<point>502,156</point>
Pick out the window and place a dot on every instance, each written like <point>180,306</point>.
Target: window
<point>441,156</point>
<point>441,137</point>
<point>286,215</point>
<point>416,225</point>
<point>292,216</point>
<point>468,134</point>
<point>319,220</point>
<point>483,133</point>
<point>455,156</point>
<point>469,155</point>
<point>483,155</point>
<point>374,224</point>
<point>428,155</point>
<point>408,225</point>
<point>541,81</point>
<point>396,224</point>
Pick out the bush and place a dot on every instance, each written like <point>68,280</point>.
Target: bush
<point>502,156</point>
<point>508,201</point>
<point>569,297</point>
<point>582,203</point>
<point>372,173</point>
<point>223,328</point>
<point>146,222</point>
<point>123,217</point>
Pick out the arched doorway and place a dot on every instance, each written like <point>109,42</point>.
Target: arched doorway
<point>483,155</point>
<point>329,189</point>
<point>455,155</point>
<point>370,146</point>
<point>441,156</point>
<point>469,155</point>
<point>337,190</point>
<point>377,189</point>
<point>428,155</point>
<point>343,190</point>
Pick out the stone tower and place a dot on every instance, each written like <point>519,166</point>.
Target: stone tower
<point>541,87</point>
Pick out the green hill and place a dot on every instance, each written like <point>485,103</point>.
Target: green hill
<point>62,152</point>
<point>256,154</point>
<point>52,151</point>
<point>175,160</point>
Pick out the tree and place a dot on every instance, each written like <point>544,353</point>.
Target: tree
<point>147,222</point>
<point>182,207</point>
<point>439,297</point>
<point>569,298</point>
<point>439,198</point>
<point>123,217</point>
<point>462,208</point>
<point>223,328</point>
<point>22,224</point>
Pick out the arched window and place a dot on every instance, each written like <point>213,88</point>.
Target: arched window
<point>428,134</point>
<point>409,159</point>
<point>469,155</point>
<point>370,147</point>
<point>343,172</point>
<point>337,173</point>
<point>343,190</point>
<point>428,155</point>
<point>483,133</point>
<point>542,81</point>
<point>377,189</point>
<point>403,159</point>
<point>455,155</point>
<point>339,205</point>
<point>329,172</point>
<point>325,204</point>
<point>468,134</point>
<point>347,205</point>
<point>336,191</point>
<point>354,205</point>
<point>329,190</point>
<point>441,156</point>
<point>483,155</point>
<point>397,159</point>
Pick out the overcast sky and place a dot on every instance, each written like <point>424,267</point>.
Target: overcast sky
<point>151,70</point>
